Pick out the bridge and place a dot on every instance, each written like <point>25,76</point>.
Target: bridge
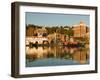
<point>38,40</point>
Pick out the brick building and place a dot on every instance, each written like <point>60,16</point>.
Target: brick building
<point>80,30</point>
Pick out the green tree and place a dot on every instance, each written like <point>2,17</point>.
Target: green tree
<point>70,32</point>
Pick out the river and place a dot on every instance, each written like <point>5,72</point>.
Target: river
<point>56,56</point>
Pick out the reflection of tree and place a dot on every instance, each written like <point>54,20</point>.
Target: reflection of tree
<point>50,55</point>
<point>60,52</point>
<point>32,57</point>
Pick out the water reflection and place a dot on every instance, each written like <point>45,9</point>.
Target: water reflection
<point>56,55</point>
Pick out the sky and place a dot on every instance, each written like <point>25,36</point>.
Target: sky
<point>55,19</point>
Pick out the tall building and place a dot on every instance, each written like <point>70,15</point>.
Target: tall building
<point>80,30</point>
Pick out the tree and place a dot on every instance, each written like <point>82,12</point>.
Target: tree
<point>70,32</point>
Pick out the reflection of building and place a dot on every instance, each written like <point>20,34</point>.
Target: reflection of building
<point>79,55</point>
<point>80,30</point>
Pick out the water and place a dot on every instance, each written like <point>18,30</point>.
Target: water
<point>56,56</point>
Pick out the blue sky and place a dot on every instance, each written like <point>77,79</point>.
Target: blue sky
<point>55,19</point>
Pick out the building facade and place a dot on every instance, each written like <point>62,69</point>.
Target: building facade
<point>80,30</point>
<point>36,35</point>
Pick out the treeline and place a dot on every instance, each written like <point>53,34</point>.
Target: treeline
<point>52,29</point>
